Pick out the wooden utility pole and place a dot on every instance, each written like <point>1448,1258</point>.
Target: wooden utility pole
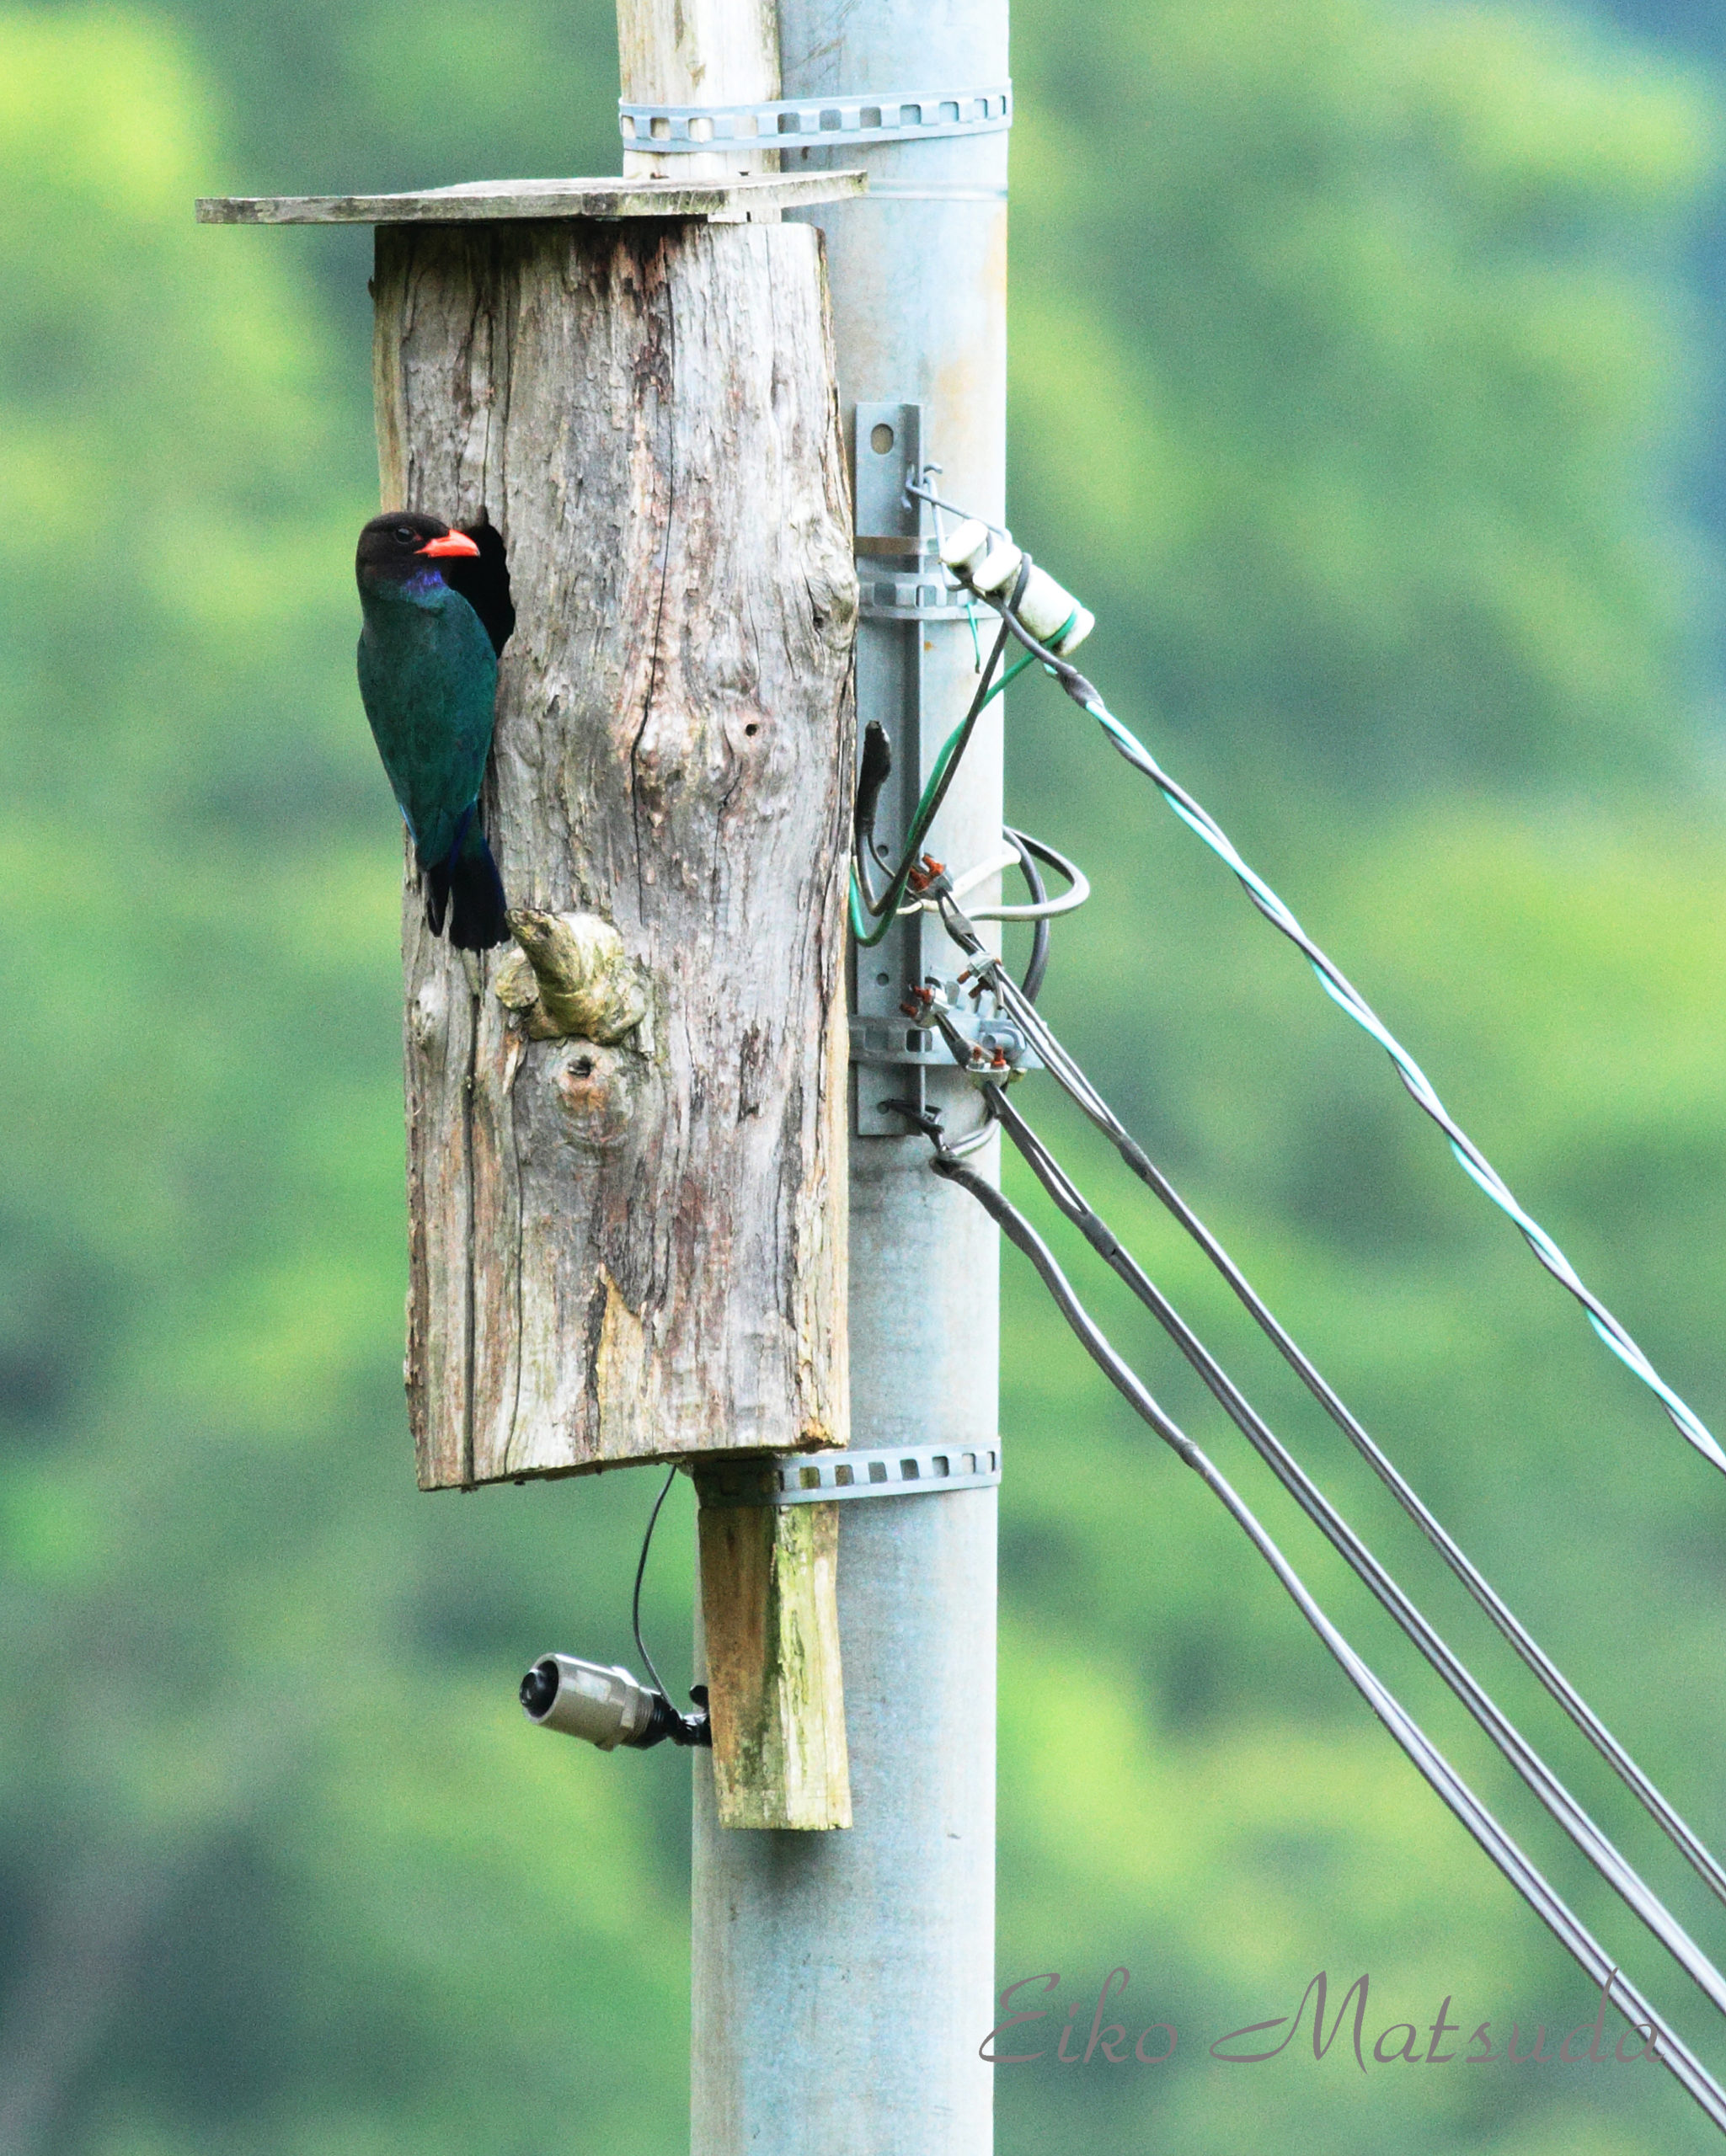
<point>697,52</point>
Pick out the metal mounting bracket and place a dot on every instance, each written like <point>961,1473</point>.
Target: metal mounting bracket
<point>827,123</point>
<point>887,1043</point>
<point>825,1478</point>
<point>887,448</point>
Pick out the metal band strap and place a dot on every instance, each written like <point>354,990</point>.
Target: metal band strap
<point>817,123</point>
<point>907,596</point>
<point>823,1478</point>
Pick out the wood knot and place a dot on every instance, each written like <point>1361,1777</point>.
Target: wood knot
<point>570,977</point>
<point>596,1090</point>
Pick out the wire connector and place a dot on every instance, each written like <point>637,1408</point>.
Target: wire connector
<point>988,1046</point>
<point>1000,1053</point>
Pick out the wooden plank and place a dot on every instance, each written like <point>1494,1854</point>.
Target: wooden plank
<point>769,1620</point>
<point>634,1249</point>
<point>685,194</point>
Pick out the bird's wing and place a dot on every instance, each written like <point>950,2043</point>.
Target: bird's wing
<point>428,678</point>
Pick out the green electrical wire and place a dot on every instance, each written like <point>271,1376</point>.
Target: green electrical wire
<point>885,910</point>
<point>930,800</point>
<point>927,803</point>
<point>1019,665</point>
<point>1011,675</point>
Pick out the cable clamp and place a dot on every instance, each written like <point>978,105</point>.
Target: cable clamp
<point>999,1049</point>
<point>826,123</point>
<point>827,1478</point>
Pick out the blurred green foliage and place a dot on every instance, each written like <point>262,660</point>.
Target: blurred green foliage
<point>1353,377</point>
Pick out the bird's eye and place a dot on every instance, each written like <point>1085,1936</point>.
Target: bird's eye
<point>406,534</point>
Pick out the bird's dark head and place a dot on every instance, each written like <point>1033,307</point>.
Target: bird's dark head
<point>403,544</point>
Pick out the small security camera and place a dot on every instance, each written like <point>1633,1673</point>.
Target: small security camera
<point>608,1707</point>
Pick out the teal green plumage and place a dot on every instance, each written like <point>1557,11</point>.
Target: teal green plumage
<point>428,678</point>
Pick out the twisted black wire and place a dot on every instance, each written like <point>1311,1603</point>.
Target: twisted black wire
<point>1534,1657</point>
<point>1619,1873</point>
<point>1448,1784</point>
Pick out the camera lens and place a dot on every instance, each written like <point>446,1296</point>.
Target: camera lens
<point>539,1688</point>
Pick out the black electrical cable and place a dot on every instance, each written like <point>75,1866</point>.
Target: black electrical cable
<point>653,1520</point>
<point>1449,1785</point>
<point>873,769</point>
<point>1031,986</point>
<point>1551,1792</point>
<point>862,843</point>
<point>1073,1079</point>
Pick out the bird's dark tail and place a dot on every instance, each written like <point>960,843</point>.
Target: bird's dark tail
<point>466,887</point>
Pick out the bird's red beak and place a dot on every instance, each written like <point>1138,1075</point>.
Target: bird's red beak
<point>452,542</point>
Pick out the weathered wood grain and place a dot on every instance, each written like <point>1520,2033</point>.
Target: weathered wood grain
<point>690,191</point>
<point>698,52</point>
<point>769,1601</point>
<point>635,1251</point>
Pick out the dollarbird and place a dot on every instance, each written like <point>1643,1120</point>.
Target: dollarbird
<point>437,615</point>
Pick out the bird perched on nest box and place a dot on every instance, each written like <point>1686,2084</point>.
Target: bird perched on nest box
<point>436,603</point>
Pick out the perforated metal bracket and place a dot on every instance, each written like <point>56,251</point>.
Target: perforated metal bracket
<point>887,448</point>
<point>831,123</point>
<point>827,1478</point>
<point>885,1043</point>
<point>931,595</point>
<point>897,579</point>
<point>888,452</point>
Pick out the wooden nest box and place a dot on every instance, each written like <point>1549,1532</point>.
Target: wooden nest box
<point>628,1202</point>
<point>628,1241</point>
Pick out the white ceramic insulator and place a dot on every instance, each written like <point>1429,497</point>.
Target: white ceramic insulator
<point>1046,609</point>
<point>991,565</point>
<point>998,567</point>
<point>964,546</point>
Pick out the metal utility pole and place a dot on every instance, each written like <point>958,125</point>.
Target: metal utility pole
<point>843,1981</point>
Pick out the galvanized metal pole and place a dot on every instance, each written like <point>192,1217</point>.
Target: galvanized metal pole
<point>843,1981</point>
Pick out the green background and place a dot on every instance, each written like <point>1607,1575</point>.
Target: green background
<point>1362,383</point>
